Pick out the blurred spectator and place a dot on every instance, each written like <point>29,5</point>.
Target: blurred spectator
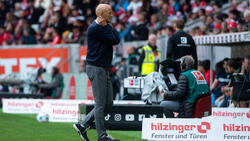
<point>3,12</point>
<point>162,14</point>
<point>154,23</point>
<point>38,16</point>
<point>132,60</point>
<point>27,38</point>
<point>227,90</point>
<point>247,18</point>
<point>221,78</point>
<point>140,30</point>
<point>169,30</point>
<point>56,39</point>
<point>134,4</point>
<point>204,67</point>
<point>246,68</point>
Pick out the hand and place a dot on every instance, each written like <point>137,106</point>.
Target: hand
<point>163,94</point>
<point>101,21</point>
<point>221,98</point>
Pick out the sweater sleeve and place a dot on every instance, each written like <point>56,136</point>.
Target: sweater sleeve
<point>53,84</point>
<point>181,90</point>
<point>106,35</point>
<point>142,56</point>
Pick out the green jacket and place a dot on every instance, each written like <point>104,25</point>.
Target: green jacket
<point>197,84</point>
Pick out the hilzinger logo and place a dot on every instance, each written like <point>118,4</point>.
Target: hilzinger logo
<point>39,104</point>
<point>203,128</point>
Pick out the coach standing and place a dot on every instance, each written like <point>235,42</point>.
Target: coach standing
<point>181,43</point>
<point>100,37</point>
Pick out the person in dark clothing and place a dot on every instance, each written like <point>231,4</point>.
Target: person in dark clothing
<point>191,85</point>
<point>140,30</point>
<point>221,79</point>
<point>100,37</point>
<point>246,67</point>
<point>181,43</point>
<point>227,90</point>
<point>28,38</point>
<point>55,87</point>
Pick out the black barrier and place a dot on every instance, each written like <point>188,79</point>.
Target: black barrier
<point>125,116</point>
<point>19,95</point>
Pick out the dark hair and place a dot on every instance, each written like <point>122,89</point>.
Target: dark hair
<point>233,63</point>
<point>180,23</point>
<point>55,71</point>
<point>170,28</point>
<point>205,64</point>
<point>226,59</point>
<point>219,66</point>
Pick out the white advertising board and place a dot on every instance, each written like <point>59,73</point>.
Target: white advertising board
<point>195,129</point>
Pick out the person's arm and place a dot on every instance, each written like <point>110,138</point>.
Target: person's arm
<point>170,47</point>
<point>181,90</point>
<point>53,84</point>
<point>142,56</point>
<point>215,83</point>
<point>194,53</point>
<point>130,6</point>
<point>106,34</point>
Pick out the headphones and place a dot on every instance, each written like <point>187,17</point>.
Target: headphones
<point>183,63</point>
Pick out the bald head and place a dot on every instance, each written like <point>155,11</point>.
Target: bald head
<point>101,9</point>
<point>104,11</point>
<point>152,39</point>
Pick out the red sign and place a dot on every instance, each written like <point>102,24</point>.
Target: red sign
<point>21,59</point>
<point>83,52</point>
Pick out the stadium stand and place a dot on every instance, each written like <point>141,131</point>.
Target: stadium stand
<point>66,21</point>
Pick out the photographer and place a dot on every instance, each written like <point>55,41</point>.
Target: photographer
<point>191,84</point>
<point>55,87</point>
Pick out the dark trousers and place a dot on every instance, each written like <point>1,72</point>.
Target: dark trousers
<point>103,97</point>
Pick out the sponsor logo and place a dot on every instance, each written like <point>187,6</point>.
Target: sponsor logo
<point>107,117</point>
<point>141,116</point>
<point>129,117</point>
<point>39,104</point>
<point>64,112</point>
<point>202,128</point>
<point>199,77</point>
<point>236,128</point>
<point>231,114</point>
<point>183,40</point>
<point>131,82</point>
<point>118,117</point>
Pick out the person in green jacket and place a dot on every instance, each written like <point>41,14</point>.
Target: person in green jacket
<point>54,89</point>
<point>191,84</point>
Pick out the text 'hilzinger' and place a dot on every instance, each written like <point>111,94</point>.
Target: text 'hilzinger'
<point>202,128</point>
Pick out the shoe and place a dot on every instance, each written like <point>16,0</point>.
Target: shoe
<point>106,138</point>
<point>82,131</point>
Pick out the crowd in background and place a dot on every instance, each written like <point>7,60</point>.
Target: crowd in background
<point>66,21</point>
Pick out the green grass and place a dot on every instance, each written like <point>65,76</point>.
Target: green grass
<point>24,127</point>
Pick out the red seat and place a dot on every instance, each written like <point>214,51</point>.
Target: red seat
<point>203,107</point>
